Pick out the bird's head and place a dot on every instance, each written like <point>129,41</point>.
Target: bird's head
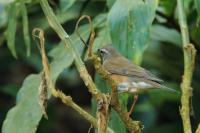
<point>107,52</point>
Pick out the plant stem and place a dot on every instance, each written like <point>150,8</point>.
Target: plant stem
<point>189,60</point>
<point>48,83</point>
<point>198,129</point>
<point>130,124</point>
<point>68,43</point>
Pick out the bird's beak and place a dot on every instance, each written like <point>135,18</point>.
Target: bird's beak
<point>99,52</point>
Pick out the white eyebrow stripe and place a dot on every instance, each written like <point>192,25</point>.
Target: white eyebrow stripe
<point>104,50</point>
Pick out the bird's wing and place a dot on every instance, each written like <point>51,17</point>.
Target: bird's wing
<point>123,66</point>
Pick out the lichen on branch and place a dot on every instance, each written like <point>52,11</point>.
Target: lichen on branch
<point>133,126</point>
<point>189,52</point>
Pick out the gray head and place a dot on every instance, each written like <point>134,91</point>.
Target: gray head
<point>108,52</point>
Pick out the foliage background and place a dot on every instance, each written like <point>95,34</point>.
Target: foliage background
<point>158,110</point>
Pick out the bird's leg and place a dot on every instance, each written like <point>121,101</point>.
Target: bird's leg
<point>135,98</point>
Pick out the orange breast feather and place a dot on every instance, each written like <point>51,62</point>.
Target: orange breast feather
<point>119,78</point>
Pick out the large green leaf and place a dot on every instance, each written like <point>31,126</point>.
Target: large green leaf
<point>129,23</point>
<point>27,104</point>
<point>25,116</point>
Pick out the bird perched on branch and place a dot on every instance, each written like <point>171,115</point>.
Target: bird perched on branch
<point>128,76</point>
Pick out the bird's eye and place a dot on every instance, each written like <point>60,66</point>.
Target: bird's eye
<point>100,51</point>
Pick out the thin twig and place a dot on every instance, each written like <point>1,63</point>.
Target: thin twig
<point>92,33</point>
<point>189,62</point>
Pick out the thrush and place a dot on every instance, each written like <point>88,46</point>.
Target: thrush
<point>128,76</point>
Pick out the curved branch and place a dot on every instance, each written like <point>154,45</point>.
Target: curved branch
<point>133,126</point>
<point>48,83</point>
<point>79,63</point>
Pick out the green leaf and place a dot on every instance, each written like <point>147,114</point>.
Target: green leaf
<point>3,16</point>
<point>12,26</point>
<point>167,7</point>
<point>129,23</point>
<point>6,2</point>
<point>110,3</point>
<point>118,126</point>
<point>61,55</point>
<point>102,39</point>
<point>66,4</point>
<point>161,33</point>
<point>197,5</point>
<point>25,116</point>
<point>63,17</point>
<point>25,28</point>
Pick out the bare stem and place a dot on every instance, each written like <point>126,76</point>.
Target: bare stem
<point>189,61</point>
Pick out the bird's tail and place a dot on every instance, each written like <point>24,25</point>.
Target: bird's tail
<point>169,89</point>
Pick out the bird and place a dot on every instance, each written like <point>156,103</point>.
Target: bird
<point>128,76</point>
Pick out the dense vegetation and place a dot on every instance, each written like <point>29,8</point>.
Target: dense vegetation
<point>145,31</point>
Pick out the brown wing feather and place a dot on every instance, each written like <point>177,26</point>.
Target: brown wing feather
<point>122,66</point>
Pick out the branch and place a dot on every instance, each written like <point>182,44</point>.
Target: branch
<point>53,22</point>
<point>48,83</point>
<point>78,62</point>
<point>131,125</point>
<point>189,61</point>
<point>104,103</point>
